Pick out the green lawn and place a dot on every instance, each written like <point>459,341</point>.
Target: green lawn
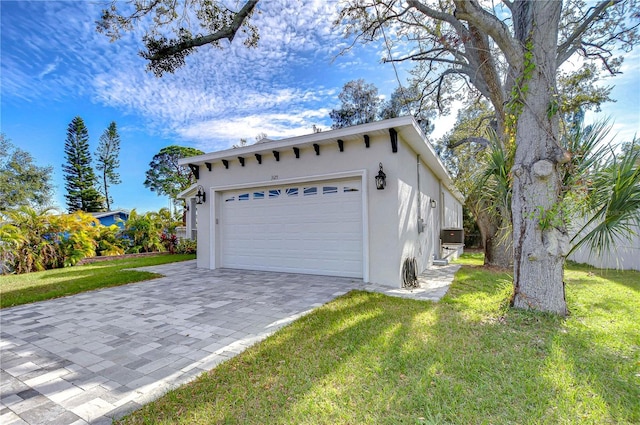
<point>369,358</point>
<point>39,286</point>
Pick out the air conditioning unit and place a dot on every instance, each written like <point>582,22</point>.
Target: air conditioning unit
<point>452,236</point>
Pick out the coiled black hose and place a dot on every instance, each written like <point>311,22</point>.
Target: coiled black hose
<point>409,273</point>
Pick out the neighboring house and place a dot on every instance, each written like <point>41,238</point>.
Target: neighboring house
<point>310,204</point>
<point>189,231</point>
<point>107,218</point>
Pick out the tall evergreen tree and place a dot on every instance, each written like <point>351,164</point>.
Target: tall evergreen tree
<point>78,175</point>
<point>108,162</point>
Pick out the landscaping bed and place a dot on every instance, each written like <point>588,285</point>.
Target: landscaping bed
<point>90,260</point>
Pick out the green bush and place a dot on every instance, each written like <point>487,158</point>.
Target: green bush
<point>32,240</point>
<point>186,246</point>
<point>109,241</point>
<point>150,232</point>
<point>38,240</point>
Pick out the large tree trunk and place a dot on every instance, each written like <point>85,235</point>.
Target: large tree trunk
<point>499,251</point>
<point>496,240</point>
<point>540,238</point>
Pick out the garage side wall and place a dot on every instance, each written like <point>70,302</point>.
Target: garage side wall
<point>452,210</point>
<point>418,186</point>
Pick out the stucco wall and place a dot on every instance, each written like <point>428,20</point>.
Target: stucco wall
<point>383,237</point>
<point>391,214</point>
<point>452,210</point>
<point>415,204</point>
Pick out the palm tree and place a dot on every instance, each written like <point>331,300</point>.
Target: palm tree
<point>29,244</point>
<point>491,196</point>
<point>10,240</point>
<point>600,191</point>
<point>611,202</point>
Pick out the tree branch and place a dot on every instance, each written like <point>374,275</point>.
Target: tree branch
<point>509,4</point>
<point>479,140</point>
<point>435,14</point>
<point>569,47</point>
<point>424,56</point>
<point>228,32</point>
<point>472,12</point>
<point>441,80</point>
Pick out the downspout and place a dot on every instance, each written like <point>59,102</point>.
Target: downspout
<point>440,218</point>
<point>419,206</point>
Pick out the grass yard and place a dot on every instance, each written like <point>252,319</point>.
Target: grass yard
<point>39,286</point>
<point>369,358</point>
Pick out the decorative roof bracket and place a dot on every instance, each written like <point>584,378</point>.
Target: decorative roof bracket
<point>394,140</point>
<point>195,169</point>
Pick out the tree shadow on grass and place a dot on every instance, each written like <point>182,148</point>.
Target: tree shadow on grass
<point>628,278</point>
<point>369,358</point>
<point>266,382</point>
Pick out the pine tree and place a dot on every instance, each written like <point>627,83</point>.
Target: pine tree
<point>79,176</point>
<point>107,158</point>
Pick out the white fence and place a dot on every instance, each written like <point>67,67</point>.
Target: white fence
<point>624,254</point>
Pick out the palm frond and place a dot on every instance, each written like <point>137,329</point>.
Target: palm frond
<point>612,204</point>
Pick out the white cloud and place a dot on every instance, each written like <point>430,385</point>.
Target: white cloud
<point>217,89</point>
<point>50,68</point>
<point>224,94</point>
<point>221,133</point>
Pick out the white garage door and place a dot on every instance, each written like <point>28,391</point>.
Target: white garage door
<point>313,228</point>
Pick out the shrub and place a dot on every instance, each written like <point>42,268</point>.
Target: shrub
<point>186,246</point>
<point>35,240</point>
<point>32,240</point>
<point>142,232</point>
<point>109,241</point>
<point>169,241</point>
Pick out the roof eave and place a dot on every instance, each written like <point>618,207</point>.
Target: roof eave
<point>406,126</point>
<point>307,139</point>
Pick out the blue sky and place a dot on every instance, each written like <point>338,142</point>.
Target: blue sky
<point>54,66</point>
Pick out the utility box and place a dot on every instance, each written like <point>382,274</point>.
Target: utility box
<point>452,236</point>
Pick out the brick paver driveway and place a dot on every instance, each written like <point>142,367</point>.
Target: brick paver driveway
<point>95,356</point>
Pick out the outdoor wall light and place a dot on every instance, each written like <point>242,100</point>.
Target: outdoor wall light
<point>432,203</point>
<point>200,196</point>
<point>381,179</point>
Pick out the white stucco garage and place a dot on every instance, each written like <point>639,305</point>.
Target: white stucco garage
<point>310,204</point>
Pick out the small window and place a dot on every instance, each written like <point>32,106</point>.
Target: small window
<point>292,191</point>
<point>308,191</point>
<point>258,195</point>
<point>243,197</point>
<point>351,189</point>
<point>233,198</point>
<point>329,189</point>
<point>274,193</point>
